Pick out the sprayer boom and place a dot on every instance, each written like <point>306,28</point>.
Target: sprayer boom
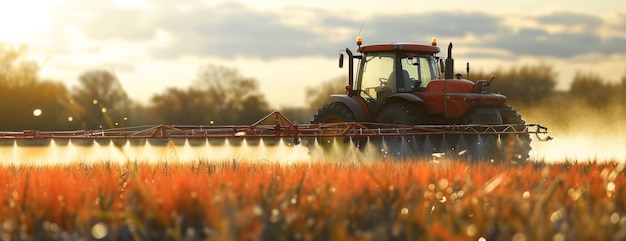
<point>276,125</point>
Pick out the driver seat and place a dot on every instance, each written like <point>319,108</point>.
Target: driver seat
<point>401,85</point>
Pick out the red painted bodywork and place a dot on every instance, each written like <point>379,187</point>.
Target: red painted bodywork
<point>454,97</point>
<point>448,97</point>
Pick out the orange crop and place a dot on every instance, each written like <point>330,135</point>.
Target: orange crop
<point>414,200</point>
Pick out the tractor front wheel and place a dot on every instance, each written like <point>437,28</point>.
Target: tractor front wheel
<point>336,112</point>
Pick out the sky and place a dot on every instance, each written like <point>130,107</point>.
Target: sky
<point>291,45</point>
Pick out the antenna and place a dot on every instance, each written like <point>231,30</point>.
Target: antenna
<point>359,40</point>
<point>360,29</point>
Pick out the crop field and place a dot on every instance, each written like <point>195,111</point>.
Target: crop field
<point>413,200</point>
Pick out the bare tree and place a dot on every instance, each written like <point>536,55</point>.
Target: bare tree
<point>177,106</point>
<point>100,101</point>
<point>15,70</point>
<point>27,101</point>
<point>318,96</point>
<point>237,99</point>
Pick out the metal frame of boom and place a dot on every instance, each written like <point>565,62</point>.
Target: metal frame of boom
<point>276,125</point>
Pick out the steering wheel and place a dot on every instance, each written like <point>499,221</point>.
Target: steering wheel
<point>383,81</point>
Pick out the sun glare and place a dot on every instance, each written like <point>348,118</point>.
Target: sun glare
<point>18,19</point>
<point>37,112</point>
<point>129,4</point>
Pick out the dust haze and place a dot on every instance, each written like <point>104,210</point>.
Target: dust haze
<point>580,132</point>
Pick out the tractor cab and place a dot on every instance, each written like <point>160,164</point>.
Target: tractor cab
<point>388,69</point>
<point>412,72</point>
<point>383,74</point>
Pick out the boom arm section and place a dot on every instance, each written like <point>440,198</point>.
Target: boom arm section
<point>276,125</point>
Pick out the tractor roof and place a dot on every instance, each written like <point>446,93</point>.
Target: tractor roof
<point>400,47</point>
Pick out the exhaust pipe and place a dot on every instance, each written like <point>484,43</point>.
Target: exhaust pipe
<point>449,73</point>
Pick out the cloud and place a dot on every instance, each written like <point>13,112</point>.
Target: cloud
<point>539,42</point>
<point>231,30</point>
<point>234,30</point>
<point>423,26</point>
<point>103,20</point>
<point>570,18</point>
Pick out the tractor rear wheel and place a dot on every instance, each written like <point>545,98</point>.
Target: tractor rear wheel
<point>402,113</point>
<point>482,147</point>
<point>335,112</point>
<point>514,147</point>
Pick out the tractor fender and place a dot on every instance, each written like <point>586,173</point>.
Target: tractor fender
<point>359,108</point>
<point>404,96</point>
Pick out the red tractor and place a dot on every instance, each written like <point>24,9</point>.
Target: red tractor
<point>400,83</point>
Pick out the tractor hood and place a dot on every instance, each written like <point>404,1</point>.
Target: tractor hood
<point>451,85</point>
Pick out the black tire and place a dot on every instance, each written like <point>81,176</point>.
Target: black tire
<point>481,147</point>
<point>335,112</point>
<point>514,147</point>
<point>402,113</point>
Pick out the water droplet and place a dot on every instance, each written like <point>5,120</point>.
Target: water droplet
<point>54,227</point>
<point>526,195</point>
<point>190,232</point>
<point>471,230</point>
<point>404,211</point>
<point>443,183</point>
<point>99,231</point>
<point>9,225</point>
<point>460,194</point>
<point>614,218</point>
<point>439,195</point>
<point>610,187</point>
<point>556,215</point>
<point>559,237</point>
<point>519,237</point>
<point>257,210</point>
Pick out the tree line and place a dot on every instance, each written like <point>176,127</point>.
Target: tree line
<point>222,96</point>
<point>219,95</point>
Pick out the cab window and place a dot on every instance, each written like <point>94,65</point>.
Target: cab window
<point>421,68</point>
<point>376,69</point>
